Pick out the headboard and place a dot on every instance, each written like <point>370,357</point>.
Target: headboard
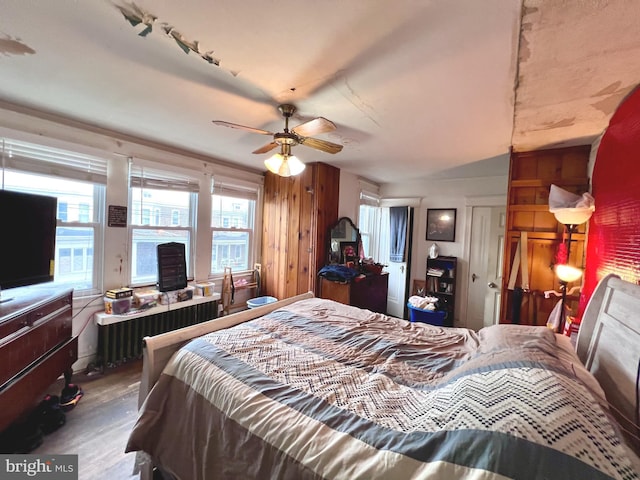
<point>609,345</point>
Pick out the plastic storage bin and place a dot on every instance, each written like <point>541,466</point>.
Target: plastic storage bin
<point>260,301</point>
<point>117,306</point>
<point>432,317</point>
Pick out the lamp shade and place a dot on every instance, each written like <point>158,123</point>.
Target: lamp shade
<point>572,216</point>
<point>567,273</point>
<point>284,165</point>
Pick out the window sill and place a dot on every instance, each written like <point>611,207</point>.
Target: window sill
<point>102,318</point>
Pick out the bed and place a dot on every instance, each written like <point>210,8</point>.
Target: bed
<point>308,388</point>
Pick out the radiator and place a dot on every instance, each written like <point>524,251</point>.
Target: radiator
<point>122,341</point>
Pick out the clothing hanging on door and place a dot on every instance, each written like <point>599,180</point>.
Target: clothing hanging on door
<point>398,217</point>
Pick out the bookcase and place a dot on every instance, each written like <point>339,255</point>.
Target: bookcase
<point>440,282</point>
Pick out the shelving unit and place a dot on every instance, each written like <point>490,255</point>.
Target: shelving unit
<point>441,283</point>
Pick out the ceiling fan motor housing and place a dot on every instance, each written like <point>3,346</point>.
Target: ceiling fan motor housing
<point>286,138</point>
<point>287,110</point>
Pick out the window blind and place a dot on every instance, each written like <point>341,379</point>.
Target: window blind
<point>143,175</point>
<point>39,159</point>
<point>231,187</point>
<point>369,194</point>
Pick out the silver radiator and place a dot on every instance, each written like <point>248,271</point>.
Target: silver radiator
<point>122,341</point>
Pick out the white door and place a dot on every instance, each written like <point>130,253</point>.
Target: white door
<point>398,271</point>
<point>485,266</point>
<point>396,296</point>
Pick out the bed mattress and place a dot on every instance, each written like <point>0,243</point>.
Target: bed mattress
<point>318,389</point>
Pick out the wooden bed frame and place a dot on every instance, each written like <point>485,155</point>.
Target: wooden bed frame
<point>608,344</point>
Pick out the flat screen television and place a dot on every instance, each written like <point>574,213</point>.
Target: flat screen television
<point>28,238</point>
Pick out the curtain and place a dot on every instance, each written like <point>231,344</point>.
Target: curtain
<point>398,218</point>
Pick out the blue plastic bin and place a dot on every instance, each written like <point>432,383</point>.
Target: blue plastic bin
<point>260,301</point>
<point>432,317</point>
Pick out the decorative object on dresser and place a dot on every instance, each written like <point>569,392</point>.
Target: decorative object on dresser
<point>36,347</point>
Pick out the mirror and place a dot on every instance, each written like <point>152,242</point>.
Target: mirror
<point>344,242</point>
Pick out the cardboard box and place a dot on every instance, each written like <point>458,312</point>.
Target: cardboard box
<point>119,292</point>
<point>205,289</point>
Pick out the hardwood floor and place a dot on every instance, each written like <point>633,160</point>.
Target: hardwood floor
<point>98,427</point>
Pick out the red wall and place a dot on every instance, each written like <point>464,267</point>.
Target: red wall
<point>613,244</point>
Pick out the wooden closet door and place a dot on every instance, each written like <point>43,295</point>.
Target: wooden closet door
<point>297,214</point>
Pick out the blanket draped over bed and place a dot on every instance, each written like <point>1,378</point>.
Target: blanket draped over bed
<point>322,390</point>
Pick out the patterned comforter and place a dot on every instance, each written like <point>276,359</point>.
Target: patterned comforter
<point>322,390</point>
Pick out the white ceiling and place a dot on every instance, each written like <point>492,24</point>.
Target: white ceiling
<point>415,88</point>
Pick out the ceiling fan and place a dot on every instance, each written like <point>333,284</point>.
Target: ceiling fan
<point>284,163</point>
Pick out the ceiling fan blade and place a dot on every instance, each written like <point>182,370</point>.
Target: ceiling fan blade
<point>314,127</point>
<point>321,145</point>
<point>266,148</point>
<point>242,127</point>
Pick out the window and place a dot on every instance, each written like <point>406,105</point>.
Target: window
<point>78,182</point>
<point>172,197</point>
<point>62,211</point>
<point>369,222</point>
<point>83,215</point>
<point>233,209</point>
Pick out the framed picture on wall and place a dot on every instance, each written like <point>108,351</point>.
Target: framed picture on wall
<point>441,224</point>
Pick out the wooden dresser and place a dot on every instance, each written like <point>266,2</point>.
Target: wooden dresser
<point>369,292</point>
<point>36,346</point>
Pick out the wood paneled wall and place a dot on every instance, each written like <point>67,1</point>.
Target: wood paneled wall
<point>530,178</point>
<point>298,212</point>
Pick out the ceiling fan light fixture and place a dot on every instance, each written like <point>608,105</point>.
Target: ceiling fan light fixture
<point>284,165</point>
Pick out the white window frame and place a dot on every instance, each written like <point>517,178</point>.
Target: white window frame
<point>235,188</point>
<point>370,228</point>
<point>150,175</point>
<point>72,165</point>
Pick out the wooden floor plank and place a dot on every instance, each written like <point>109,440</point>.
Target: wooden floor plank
<point>98,427</point>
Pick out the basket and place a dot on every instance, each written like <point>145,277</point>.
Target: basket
<point>432,317</point>
<point>260,301</point>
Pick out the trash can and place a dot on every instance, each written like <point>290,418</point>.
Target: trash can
<point>432,317</point>
<point>260,301</point>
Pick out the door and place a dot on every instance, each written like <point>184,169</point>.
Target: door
<point>397,289</point>
<point>399,274</point>
<point>485,266</point>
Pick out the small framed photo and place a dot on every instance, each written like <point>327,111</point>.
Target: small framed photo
<point>349,252</point>
<point>441,224</point>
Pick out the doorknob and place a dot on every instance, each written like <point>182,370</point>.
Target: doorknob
<point>474,277</point>
<point>401,268</point>
<point>491,285</point>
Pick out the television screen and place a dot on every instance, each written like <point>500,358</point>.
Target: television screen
<point>172,267</point>
<point>27,241</point>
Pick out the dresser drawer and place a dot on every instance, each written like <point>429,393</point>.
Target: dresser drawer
<point>42,330</point>
<point>19,396</point>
